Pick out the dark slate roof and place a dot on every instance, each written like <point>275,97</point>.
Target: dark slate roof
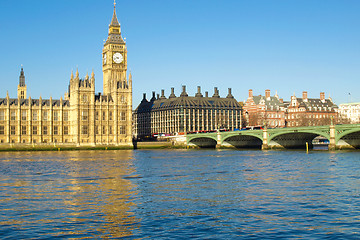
<point>311,103</point>
<point>115,38</point>
<point>188,102</point>
<point>33,102</point>
<point>114,21</point>
<point>272,102</point>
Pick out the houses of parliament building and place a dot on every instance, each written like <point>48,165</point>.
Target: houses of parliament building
<point>81,117</point>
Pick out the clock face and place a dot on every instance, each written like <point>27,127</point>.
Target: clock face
<point>104,58</point>
<point>117,57</point>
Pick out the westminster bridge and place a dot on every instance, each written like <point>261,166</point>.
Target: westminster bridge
<point>338,136</point>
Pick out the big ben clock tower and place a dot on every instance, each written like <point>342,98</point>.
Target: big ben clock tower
<point>114,58</point>
<point>117,85</point>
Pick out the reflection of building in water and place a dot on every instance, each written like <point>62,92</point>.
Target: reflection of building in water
<point>99,192</point>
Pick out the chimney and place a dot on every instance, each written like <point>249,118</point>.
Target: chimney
<point>305,96</point>
<point>183,94</point>
<point>198,94</point>
<point>144,95</point>
<point>157,96</point>
<point>153,96</point>
<point>162,94</point>
<point>206,94</point>
<point>322,96</point>
<point>250,93</point>
<point>216,92</point>
<point>229,94</point>
<point>267,94</point>
<point>172,95</point>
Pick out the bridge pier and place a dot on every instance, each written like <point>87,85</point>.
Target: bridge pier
<point>332,142</point>
<point>265,144</point>
<point>218,142</point>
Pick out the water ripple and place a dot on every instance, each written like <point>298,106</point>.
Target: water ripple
<point>220,194</point>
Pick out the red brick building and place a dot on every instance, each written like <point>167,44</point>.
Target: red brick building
<point>310,111</point>
<point>272,111</point>
<point>265,110</point>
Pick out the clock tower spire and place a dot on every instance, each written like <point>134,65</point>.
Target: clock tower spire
<point>114,57</point>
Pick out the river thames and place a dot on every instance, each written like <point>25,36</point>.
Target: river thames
<point>180,194</point>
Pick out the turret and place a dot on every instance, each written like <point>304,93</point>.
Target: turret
<point>21,92</point>
<point>92,79</point>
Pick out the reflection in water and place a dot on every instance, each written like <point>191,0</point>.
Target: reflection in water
<point>179,194</point>
<point>75,194</point>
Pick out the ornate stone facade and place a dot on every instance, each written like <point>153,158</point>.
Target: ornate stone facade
<point>82,117</point>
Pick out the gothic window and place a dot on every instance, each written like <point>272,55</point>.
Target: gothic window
<point>84,115</point>
<point>103,130</point>
<point>122,129</point>
<point>12,115</point>
<point>2,130</point>
<point>56,130</point>
<point>84,129</point>
<point>35,115</point>
<point>45,130</point>
<point>110,115</point>
<point>103,115</point>
<point>96,115</point>
<point>110,130</point>
<point>66,130</point>
<point>23,115</point>
<point>56,116</point>
<point>66,116</point>
<point>96,129</point>
<point>84,98</point>
<point>122,116</point>
<point>12,130</point>
<point>45,115</point>
<point>23,130</point>
<point>34,130</point>
<point>2,115</point>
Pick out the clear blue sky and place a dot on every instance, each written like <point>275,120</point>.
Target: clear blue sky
<point>286,46</point>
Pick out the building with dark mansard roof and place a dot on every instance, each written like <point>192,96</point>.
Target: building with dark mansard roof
<point>184,114</point>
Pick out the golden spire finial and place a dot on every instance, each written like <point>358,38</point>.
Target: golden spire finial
<point>114,3</point>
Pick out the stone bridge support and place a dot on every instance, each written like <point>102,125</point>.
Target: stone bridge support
<point>265,144</point>
<point>218,142</point>
<point>332,144</point>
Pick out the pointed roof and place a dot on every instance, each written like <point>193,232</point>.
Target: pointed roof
<point>114,30</point>
<point>114,21</point>
<point>22,78</point>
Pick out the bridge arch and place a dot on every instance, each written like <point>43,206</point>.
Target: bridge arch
<point>202,141</point>
<point>243,140</point>
<point>348,139</point>
<point>295,138</point>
